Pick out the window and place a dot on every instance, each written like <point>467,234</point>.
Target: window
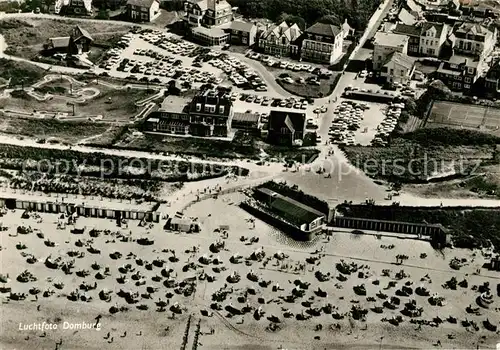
<point>402,72</point>
<point>380,58</point>
<point>284,130</point>
<point>207,108</point>
<point>466,86</point>
<point>198,107</point>
<point>221,109</point>
<point>467,79</point>
<point>392,71</point>
<point>470,70</point>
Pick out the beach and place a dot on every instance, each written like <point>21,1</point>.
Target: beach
<point>248,285</point>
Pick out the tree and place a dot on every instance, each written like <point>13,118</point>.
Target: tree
<point>291,19</point>
<point>330,19</point>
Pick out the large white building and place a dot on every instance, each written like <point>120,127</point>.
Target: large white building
<point>322,43</point>
<point>475,39</point>
<point>386,44</point>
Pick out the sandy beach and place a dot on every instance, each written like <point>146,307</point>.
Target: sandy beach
<point>277,299</point>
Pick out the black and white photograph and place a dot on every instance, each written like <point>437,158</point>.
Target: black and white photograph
<point>249,174</point>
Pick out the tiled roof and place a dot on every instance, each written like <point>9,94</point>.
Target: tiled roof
<point>141,3</point>
<point>83,33</point>
<point>472,28</point>
<point>413,6</point>
<point>390,39</point>
<point>406,17</point>
<point>278,120</point>
<point>420,29</point>
<point>407,29</point>
<point>401,59</point>
<point>245,117</point>
<point>291,210</point>
<point>242,26</point>
<point>428,25</point>
<point>324,29</point>
<point>59,42</point>
<point>291,33</point>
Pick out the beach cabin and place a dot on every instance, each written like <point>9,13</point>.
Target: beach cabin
<point>182,225</point>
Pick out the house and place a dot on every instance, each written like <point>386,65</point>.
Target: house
<point>79,41</point>
<point>207,13</point>
<point>59,44</point>
<point>169,122</point>
<point>475,39</point>
<point>210,36</point>
<point>406,17</point>
<point>280,40</point>
<point>218,12</point>
<point>242,33</point>
<point>286,128</point>
<point>491,86</point>
<point>211,114</point>
<point>398,68</point>
<point>413,8</point>
<point>73,7</point>
<point>182,224</point>
<point>307,219</point>
<point>386,44</point>
<point>459,73</point>
<point>142,10</point>
<point>425,38</point>
<point>322,43</point>
<point>249,122</point>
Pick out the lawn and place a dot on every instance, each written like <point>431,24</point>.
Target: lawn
<point>242,146</point>
<point>419,156</point>
<point>26,37</point>
<point>20,72</point>
<point>69,132</point>
<point>117,105</point>
<point>113,105</point>
<point>304,89</point>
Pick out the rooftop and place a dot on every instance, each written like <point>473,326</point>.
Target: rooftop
<point>59,42</point>
<point>173,104</point>
<point>406,17</point>
<point>246,117</point>
<point>401,59</point>
<point>141,3</point>
<point>291,120</point>
<point>210,32</point>
<point>291,209</point>
<point>390,39</point>
<point>241,26</point>
<point>323,29</point>
<point>459,59</point>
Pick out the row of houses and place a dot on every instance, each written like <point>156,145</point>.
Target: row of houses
<point>460,49</point>
<point>212,23</point>
<point>211,114</point>
<point>135,10</point>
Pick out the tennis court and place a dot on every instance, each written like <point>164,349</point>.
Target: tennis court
<point>465,116</point>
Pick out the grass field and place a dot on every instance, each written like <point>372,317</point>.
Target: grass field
<point>113,105</point>
<point>70,132</point>
<point>26,37</point>
<point>19,72</point>
<point>465,116</point>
